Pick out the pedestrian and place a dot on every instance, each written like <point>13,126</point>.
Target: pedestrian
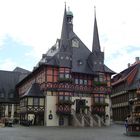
<point>126,124</point>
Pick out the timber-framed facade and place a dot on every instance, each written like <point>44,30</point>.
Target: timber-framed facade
<point>70,85</point>
<point>74,80</point>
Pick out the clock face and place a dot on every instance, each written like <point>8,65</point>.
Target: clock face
<point>75,43</point>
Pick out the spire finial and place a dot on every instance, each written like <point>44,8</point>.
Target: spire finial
<point>96,42</point>
<point>65,4</point>
<point>68,8</point>
<point>94,11</point>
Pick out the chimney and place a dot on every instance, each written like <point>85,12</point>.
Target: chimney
<point>129,65</point>
<point>137,59</point>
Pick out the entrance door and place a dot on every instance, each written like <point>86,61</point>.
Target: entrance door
<point>39,119</point>
<point>79,104</point>
<point>61,120</point>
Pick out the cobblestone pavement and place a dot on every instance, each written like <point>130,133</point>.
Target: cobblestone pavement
<point>114,132</point>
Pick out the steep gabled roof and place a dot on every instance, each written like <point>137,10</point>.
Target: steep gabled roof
<point>128,76</point>
<point>108,70</point>
<point>21,70</point>
<point>8,81</point>
<point>34,91</point>
<point>64,32</point>
<point>96,41</point>
<point>79,59</point>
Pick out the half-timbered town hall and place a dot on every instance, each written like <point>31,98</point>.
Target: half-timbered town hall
<point>70,85</point>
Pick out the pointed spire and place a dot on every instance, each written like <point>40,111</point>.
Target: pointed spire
<point>64,32</point>
<point>96,42</point>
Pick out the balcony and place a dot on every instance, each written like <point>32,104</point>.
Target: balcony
<point>65,86</point>
<point>68,87</point>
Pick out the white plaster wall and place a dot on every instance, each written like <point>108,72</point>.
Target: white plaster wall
<point>51,105</point>
<point>107,109</point>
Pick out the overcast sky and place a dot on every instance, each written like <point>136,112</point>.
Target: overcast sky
<point>28,28</point>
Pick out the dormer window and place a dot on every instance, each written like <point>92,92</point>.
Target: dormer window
<point>80,62</point>
<point>61,57</point>
<point>75,43</point>
<point>67,58</point>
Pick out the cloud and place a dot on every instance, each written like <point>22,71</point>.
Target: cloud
<point>7,64</point>
<point>36,24</point>
<point>16,51</point>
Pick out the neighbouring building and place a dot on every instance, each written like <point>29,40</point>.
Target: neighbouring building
<point>9,98</point>
<point>70,85</point>
<point>125,88</point>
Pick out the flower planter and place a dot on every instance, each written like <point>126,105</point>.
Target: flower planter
<point>100,83</point>
<point>69,80</point>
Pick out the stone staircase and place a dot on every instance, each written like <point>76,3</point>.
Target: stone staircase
<point>77,119</point>
<point>86,119</point>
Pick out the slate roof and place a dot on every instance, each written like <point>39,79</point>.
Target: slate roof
<point>130,76</point>
<point>34,91</point>
<point>21,70</point>
<point>96,41</point>
<point>81,59</point>
<point>8,81</point>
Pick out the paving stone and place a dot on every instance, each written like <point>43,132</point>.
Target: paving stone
<point>113,132</point>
